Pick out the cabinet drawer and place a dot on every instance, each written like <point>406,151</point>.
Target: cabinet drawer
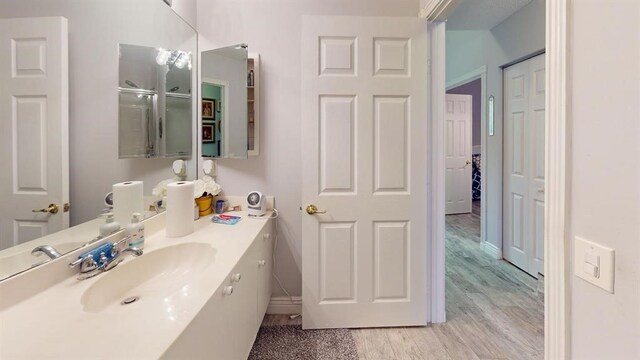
<point>265,270</point>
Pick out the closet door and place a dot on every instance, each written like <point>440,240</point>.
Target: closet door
<point>523,165</point>
<point>515,165</point>
<point>536,166</point>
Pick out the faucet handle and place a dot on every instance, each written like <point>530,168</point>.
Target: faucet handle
<point>122,243</point>
<point>86,263</point>
<point>103,258</point>
<point>80,260</point>
<point>76,263</point>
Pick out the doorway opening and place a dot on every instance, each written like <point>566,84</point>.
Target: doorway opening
<point>483,290</point>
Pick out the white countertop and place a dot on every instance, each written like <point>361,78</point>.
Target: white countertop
<point>52,324</point>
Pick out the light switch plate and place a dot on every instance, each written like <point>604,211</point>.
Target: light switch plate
<point>585,252</point>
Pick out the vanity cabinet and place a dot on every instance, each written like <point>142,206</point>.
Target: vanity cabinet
<point>227,325</point>
<point>265,270</point>
<point>234,329</point>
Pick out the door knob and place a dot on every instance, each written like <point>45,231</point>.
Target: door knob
<point>52,209</point>
<point>468,162</point>
<point>312,209</point>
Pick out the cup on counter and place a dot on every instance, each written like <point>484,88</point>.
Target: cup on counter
<point>219,206</point>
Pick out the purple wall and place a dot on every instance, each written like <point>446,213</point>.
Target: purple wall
<point>472,88</point>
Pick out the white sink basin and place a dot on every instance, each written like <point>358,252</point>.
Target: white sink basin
<point>155,275</point>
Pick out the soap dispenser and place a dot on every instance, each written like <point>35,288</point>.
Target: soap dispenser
<point>135,232</point>
<point>110,225</point>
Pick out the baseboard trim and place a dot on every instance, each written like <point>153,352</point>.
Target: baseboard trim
<point>282,305</point>
<point>491,249</point>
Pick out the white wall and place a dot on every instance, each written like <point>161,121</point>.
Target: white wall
<point>95,29</point>
<point>272,29</point>
<point>604,72</point>
<point>187,10</point>
<point>519,35</point>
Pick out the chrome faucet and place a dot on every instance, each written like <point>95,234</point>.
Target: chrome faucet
<point>47,250</point>
<point>90,268</point>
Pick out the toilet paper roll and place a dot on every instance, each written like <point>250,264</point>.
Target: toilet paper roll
<point>179,217</point>
<point>128,198</point>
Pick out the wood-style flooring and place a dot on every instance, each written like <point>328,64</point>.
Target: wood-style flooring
<point>494,310</point>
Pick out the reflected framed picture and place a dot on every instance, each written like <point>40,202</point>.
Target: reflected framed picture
<point>208,109</point>
<point>207,134</point>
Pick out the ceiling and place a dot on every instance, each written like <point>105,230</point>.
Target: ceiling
<point>482,14</point>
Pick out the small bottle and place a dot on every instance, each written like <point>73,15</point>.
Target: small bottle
<point>110,225</point>
<point>135,232</point>
<point>250,78</point>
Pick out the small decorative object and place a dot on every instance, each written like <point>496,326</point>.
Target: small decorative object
<point>179,169</point>
<point>205,186</point>
<point>250,78</point>
<point>203,191</point>
<point>160,191</point>
<point>204,205</point>
<point>207,133</point>
<point>218,106</point>
<point>257,206</point>
<point>219,206</point>
<point>209,168</point>
<point>225,219</point>
<point>208,109</point>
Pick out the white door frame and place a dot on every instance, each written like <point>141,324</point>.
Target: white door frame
<point>479,73</point>
<point>557,153</point>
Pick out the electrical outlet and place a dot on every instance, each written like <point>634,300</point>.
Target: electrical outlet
<point>594,263</point>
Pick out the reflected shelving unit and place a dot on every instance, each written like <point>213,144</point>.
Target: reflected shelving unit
<point>253,104</point>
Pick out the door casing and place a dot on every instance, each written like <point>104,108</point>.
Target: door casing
<point>557,152</point>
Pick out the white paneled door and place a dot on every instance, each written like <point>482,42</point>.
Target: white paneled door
<point>524,136</point>
<point>458,120</point>
<point>364,131</point>
<point>34,150</point>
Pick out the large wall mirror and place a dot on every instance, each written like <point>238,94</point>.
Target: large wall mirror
<point>94,29</point>
<point>154,98</point>
<point>223,91</point>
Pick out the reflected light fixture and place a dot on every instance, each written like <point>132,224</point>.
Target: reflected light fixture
<point>172,58</point>
<point>163,56</point>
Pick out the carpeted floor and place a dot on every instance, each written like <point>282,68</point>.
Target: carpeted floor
<point>290,342</point>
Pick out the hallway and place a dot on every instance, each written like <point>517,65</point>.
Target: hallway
<point>495,307</point>
<point>494,310</point>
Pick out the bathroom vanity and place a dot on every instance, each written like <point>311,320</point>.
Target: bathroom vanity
<point>199,296</point>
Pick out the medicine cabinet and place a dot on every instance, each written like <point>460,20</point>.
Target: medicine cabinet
<point>223,102</point>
